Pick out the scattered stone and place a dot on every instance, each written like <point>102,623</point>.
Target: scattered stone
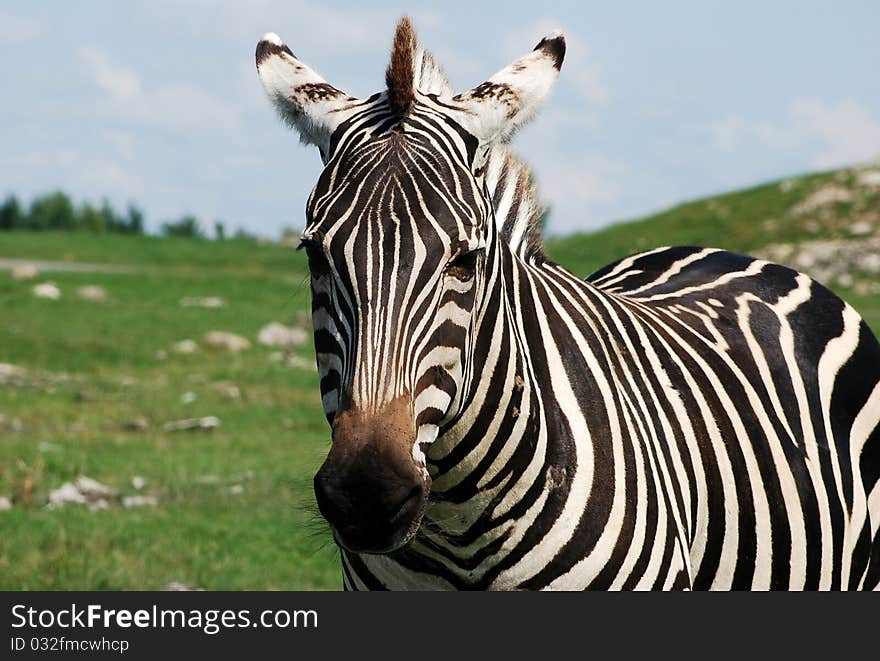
<point>235,489</point>
<point>92,488</point>
<point>47,290</point>
<point>226,341</point>
<point>868,178</point>
<point>863,288</point>
<point>66,494</point>
<point>12,375</point>
<point>228,390</point>
<point>188,397</point>
<point>823,197</point>
<point>5,503</point>
<point>207,479</point>
<point>85,395</point>
<point>290,359</point>
<point>140,423</point>
<point>94,293</point>
<point>46,446</point>
<point>278,335</point>
<point>861,228</point>
<point>869,262</point>
<point>207,423</point>
<point>161,354</point>
<point>25,272</point>
<point>832,260</point>
<point>202,302</point>
<point>140,501</point>
<point>138,482</point>
<point>12,424</point>
<point>185,346</point>
<point>787,185</point>
<point>175,586</point>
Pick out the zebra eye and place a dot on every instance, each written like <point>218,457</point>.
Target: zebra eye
<point>463,266</point>
<point>318,264</point>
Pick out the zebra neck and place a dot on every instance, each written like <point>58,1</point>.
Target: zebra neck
<point>485,462</point>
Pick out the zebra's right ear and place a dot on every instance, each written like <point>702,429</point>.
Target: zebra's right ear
<point>304,100</point>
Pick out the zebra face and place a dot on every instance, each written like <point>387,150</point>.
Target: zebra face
<point>399,236</point>
<point>396,266</point>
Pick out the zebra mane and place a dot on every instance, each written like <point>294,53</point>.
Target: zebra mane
<point>412,68</point>
<point>518,209</point>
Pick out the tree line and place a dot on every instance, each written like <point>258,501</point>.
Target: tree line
<point>56,211</point>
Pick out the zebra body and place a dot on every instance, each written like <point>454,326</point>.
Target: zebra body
<point>684,418</point>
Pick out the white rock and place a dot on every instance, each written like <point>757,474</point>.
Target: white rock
<point>278,335</point>
<point>66,494</point>
<point>25,272</point>
<point>138,482</point>
<point>870,262</point>
<point>176,586</point>
<point>207,423</point>
<point>46,446</point>
<point>868,178</point>
<point>89,487</point>
<point>5,503</point>
<point>93,293</point>
<point>11,374</point>
<point>188,397</point>
<point>140,423</point>
<point>228,390</point>
<point>226,341</point>
<point>185,346</point>
<point>47,290</point>
<point>823,197</point>
<point>861,228</point>
<point>202,302</point>
<point>845,280</point>
<point>235,489</point>
<point>140,501</point>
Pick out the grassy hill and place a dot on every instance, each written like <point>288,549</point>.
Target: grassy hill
<point>825,224</point>
<point>95,382</point>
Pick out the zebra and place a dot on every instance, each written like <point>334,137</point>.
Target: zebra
<point>684,418</point>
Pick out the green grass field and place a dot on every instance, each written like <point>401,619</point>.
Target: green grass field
<point>235,507</point>
<point>93,367</point>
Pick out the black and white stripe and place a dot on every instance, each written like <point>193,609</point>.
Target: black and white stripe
<point>684,418</point>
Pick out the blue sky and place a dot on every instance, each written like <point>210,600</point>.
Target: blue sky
<point>159,103</point>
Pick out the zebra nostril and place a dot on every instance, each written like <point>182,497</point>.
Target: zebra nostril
<point>409,506</point>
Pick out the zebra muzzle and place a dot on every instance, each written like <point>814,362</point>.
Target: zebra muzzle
<point>370,488</point>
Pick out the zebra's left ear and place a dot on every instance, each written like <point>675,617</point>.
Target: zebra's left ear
<point>496,108</point>
<point>304,100</point>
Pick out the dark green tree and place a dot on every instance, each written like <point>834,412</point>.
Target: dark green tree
<point>135,222</point>
<point>53,211</point>
<point>188,226</point>
<point>10,214</point>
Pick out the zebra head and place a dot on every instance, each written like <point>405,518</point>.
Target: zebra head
<point>400,238</point>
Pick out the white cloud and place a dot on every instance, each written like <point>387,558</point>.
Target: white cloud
<point>118,81</point>
<point>827,135</point>
<point>18,29</point>
<point>170,105</point>
<point>580,190</point>
<point>846,131</point>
